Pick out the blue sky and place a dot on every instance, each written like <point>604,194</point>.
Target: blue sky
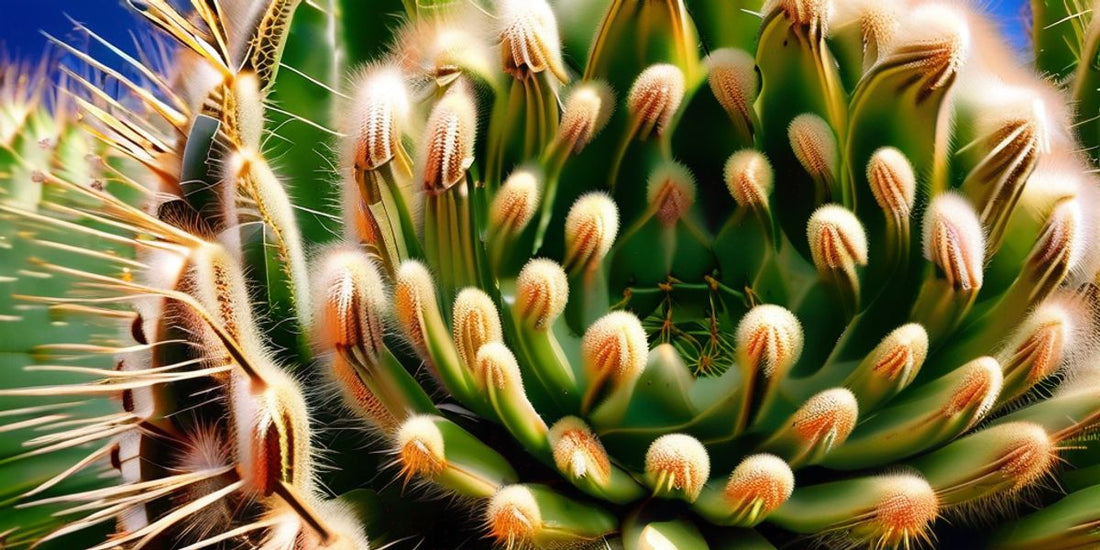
<point>21,21</point>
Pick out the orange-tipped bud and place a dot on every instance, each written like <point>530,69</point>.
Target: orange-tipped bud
<point>529,39</point>
<point>513,517</point>
<point>578,452</point>
<point>731,74</point>
<point>954,241</point>
<point>978,390</point>
<point>1029,453</point>
<point>515,203</point>
<point>496,366</point>
<point>878,21</point>
<point>272,432</point>
<point>655,97</point>
<point>476,323</point>
<point>934,46</point>
<point>827,418</point>
<point>904,514</point>
<point>893,183</point>
<point>769,340</point>
<point>590,229</point>
<point>420,448</point>
<point>837,239</point>
<point>351,302</point>
<point>671,191</point>
<point>449,140</point>
<point>1060,246</point>
<point>615,347</point>
<point>814,144</point>
<point>814,14</point>
<point>760,484</point>
<point>380,109</point>
<point>587,110</point>
<point>413,290</point>
<point>1038,347</point>
<point>542,291</point>
<point>749,177</point>
<point>677,465</point>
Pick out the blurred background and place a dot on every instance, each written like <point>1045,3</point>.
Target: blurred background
<point>22,22</point>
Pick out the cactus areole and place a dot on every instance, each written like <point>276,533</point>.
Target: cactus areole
<point>638,274</point>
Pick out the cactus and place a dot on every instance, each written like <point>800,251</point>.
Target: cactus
<point>679,274</point>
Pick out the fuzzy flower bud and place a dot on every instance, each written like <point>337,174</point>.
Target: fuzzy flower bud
<point>905,511</point>
<point>827,417</point>
<point>449,140</point>
<point>542,290</point>
<point>974,395</point>
<point>954,241</point>
<point>578,452</point>
<point>731,74</point>
<point>272,432</point>
<point>671,191</point>
<point>413,290</point>
<point>516,202</point>
<point>677,465</point>
<point>420,448</point>
<point>760,484</point>
<point>769,340</point>
<point>351,302</point>
<point>749,177</point>
<point>496,366</point>
<point>476,323</point>
<point>590,229</point>
<point>934,46</point>
<point>529,39</point>
<point>814,144</point>
<point>814,14</point>
<point>893,183</point>
<point>513,516</point>
<point>1060,246</point>
<point>1037,348</point>
<point>587,110</point>
<point>615,347</point>
<point>837,239</point>
<point>380,108</point>
<point>655,97</point>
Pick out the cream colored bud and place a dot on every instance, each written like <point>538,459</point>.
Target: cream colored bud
<point>655,96</point>
<point>476,323</point>
<point>892,181</point>
<point>827,418</point>
<point>837,239</point>
<point>529,41</point>
<point>814,14</point>
<point>975,394</point>
<point>814,144</point>
<point>902,353</point>
<point>671,191</point>
<point>677,464</point>
<point>449,138</point>
<point>496,366</point>
<point>542,290</point>
<point>731,74</point>
<point>954,241</point>
<point>272,432</point>
<point>379,110</point>
<point>749,177</point>
<point>246,111</point>
<point>420,447</point>
<point>934,46</point>
<point>1029,453</point>
<point>1060,246</point>
<point>578,452</point>
<point>615,347</point>
<point>513,517</point>
<point>413,291</point>
<point>587,110</point>
<point>769,340</point>
<point>516,202</point>
<point>1037,348</point>
<point>904,513</point>
<point>760,481</point>
<point>351,302</point>
<point>590,229</point>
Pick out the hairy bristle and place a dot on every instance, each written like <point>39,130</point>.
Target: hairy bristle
<point>905,513</point>
<point>901,353</point>
<point>935,45</point>
<point>590,229</point>
<point>496,366</point>
<point>762,480</point>
<point>529,41</point>
<point>656,95</point>
<point>731,74</point>
<point>351,302</point>
<point>513,516</point>
<point>827,417</point>
<point>978,390</point>
<point>749,177</point>
<point>954,241</point>
<point>413,289</point>
<point>420,447</point>
<point>769,340</point>
<point>615,347</point>
<point>378,113</point>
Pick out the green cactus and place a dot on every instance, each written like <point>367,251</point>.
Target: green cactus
<point>621,273</point>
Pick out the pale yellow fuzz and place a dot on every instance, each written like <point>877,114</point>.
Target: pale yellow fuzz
<point>516,202</point>
<point>379,110</point>
<point>892,181</point>
<point>577,451</point>
<point>476,323</point>
<point>762,479</point>
<point>837,239</point>
<point>513,516</point>
<point>542,291</point>
<point>814,144</point>
<point>677,464</point>
<point>769,340</point>
<point>656,95</point>
<point>749,177</point>
<point>448,142</point>
<point>954,240</point>
<point>671,191</point>
<point>590,229</point>
<point>615,347</point>
<point>587,109</point>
